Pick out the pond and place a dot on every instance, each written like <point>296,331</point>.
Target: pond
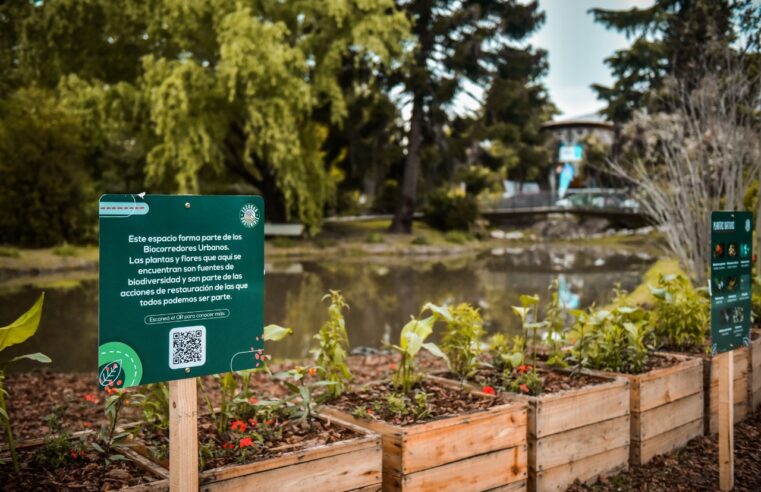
<point>382,291</point>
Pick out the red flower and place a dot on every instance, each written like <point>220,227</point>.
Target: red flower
<point>312,371</point>
<point>253,400</point>
<point>523,369</point>
<point>91,398</point>
<point>392,366</point>
<point>370,411</point>
<point>87,424</point>
<point>228,445</point>
<point>73,454</point>
<point>246,442</point>
<point>488,390</point>
<point>81,454</point>
<point>238,425</point>
<point>253,422</point>
<point>524,388</point>
<point>269,422</point>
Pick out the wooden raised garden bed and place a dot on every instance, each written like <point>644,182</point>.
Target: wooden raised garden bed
<point>711,387</point>
<point>580,433</point>
<point>477,451</point>
<point>349,465</point>
<point>754,376</point>
<point>666,407</point>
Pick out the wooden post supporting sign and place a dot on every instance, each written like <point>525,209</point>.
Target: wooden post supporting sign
<point>726,421</point>
<point>183,436</point>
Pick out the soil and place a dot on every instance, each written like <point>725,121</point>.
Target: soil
<point>88,474</point>
<point>441,401</point>
<point>552,381</point>
<point>694,467</point>
<point>296,436</point>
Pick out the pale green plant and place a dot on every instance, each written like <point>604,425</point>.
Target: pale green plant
<point>681,314</point>
<point>17,332</point>
<point>462,340</point>
<point>331,356</point>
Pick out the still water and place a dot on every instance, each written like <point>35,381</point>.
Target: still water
<point>382,292</point>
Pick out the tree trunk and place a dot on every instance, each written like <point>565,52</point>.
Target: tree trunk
<point>405,207</point>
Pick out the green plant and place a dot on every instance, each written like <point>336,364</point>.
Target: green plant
<point>17,332</point>
<point>462,340</point>
<point>59,450</point>
<point>301,391</point>
<point>374,238</point>
<point>523,379</point>
<point>411,340</point>
<point>681,314</point>
<point>9,252</point>
<point>447,209</point>
<point>756,299</point>
<point>154,403</point>
<point>65,249</point>
<point>527,312</point>
<point>457,237</point>
<point>420,241</point>
<point>108,439</point>
<point>334,345</point>
<point>554,336</point>
<point>506,355</point>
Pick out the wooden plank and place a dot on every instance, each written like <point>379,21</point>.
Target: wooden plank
<point>725,368</point>
<point>576,444</point>
<point>740,390</point>
<point>183,435</point>
<point>643,451</point>
<point>656,421</point>
<point>499,428</point>
<point>482,472</point>
<point>569,410</point>
<point>333,473</point>
<point>585,470</point>
<point>519,486</point>
<point>662,386</point>
<point>160,486</point>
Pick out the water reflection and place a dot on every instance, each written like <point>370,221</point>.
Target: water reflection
<point>382,292</point>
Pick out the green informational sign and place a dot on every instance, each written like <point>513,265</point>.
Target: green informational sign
<point>731,258</point>
<point>181,287</point>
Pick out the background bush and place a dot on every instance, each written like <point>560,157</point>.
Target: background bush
<point>449,210</point>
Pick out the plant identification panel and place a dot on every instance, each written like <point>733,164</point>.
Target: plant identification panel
<point>181,287</point>
<point>731,281</point>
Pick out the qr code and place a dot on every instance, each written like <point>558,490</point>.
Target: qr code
<point>187,347</point>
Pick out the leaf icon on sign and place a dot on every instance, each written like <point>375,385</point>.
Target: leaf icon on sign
<point>109,373</point>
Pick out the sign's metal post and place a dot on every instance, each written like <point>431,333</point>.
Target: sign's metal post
<point>726,422</point>
<point>183,436</point>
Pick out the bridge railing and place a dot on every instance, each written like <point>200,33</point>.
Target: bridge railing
<point>575,198</point>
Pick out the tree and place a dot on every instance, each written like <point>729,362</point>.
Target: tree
<point>701,155</point>
<point>454,42</point>
<point>207,88</point>
<point>672,38</point>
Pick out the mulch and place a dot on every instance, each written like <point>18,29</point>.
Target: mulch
<point>694,467</point>
<point>553,381</point>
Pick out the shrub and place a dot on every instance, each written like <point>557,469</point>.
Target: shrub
<point>458,237</point>
<point>9,252</point>
<point>462,340</point>
<point>387,197</point>
<point>374,238</point>
<point>419,241</point>
<point>334,346</point>
<point>448,210</point>
<point>681,314</point>
<point>65,250</point>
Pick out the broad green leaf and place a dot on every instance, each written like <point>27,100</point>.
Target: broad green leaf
<point>275,333</point>
<point>414,342</point>
<point>527,300</point>
<point>521,311</point>
<point>37,356</point>
<point>406,329</point>
<point>24,327</point>
<point>425,327</point>
<point>435,350</point>
<point>516,359</point>
<point>442,311</point>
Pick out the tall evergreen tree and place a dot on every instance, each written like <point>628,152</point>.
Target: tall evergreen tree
<point>454,42</point>
<point>672,38</point>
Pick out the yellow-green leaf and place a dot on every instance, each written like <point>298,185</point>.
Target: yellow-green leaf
<point>24,327</point>
<point>274,333</point>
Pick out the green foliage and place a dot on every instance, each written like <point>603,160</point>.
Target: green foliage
<point>420,241</point>
<point>506,355</point>
<point>411,340</point>
<point>756,299</point>
<point>375,238</point>
<point>58,451</point>
<point>449,210</point>
<point>681,315</point>
<point>17,332</point>
<point>154,403</point>
<point>458,237</point>
<point>48,195</point>
<point>331,356</point>
<point>302,390</point>
<point>108,439</point>
<point>65,250</point>
<point>523,379</point>
<point>462,340</point>
<point>554,338</point>
<point>9,252</point>
<point>618,340</point>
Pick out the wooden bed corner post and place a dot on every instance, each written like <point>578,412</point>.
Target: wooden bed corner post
<point>726,421</point>
<point>183,436</point>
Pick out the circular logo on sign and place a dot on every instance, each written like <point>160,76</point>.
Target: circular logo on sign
<point>119,366</point>
<point>249,215</point>
<point>747,225</point>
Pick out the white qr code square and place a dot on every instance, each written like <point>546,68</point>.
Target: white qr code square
<point>187,347</point>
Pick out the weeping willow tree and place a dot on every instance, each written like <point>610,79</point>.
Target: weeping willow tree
<point>192,89</point>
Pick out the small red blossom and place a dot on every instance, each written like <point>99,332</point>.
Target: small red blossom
<point>228,445</point>
<point>92,398</point>
<point>524,388</point>
<point>81,454</point>
<point>253,422</point>
<point>246,442</point>
<point>370,411</point>
<point>253,400</point>
<point>269,422</point>
<point>238,425</point>
<point>488,390</point>
<point>393,366</point>
<point>87,424</point>
<point>523,369</point>
<point>312,371</point>
<point>73,454</point>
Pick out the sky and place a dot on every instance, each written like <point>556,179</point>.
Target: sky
<point>577,47</point>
